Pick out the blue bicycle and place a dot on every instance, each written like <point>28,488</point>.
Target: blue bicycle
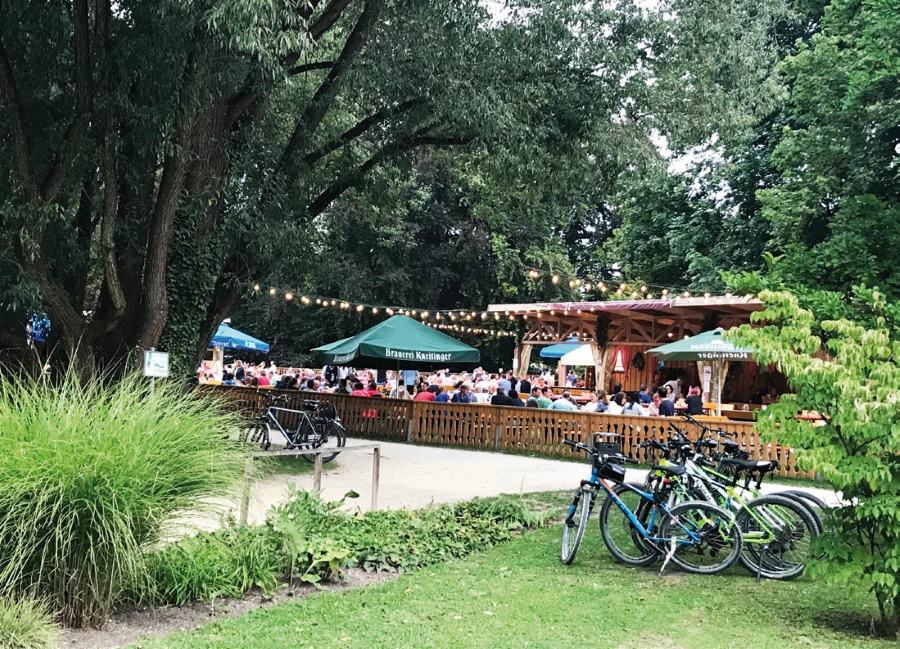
<point>640,527</point>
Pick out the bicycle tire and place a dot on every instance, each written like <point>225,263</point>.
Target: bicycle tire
<point>260,433</point>
<point>329,434</point>
<point>719,536</point>
<point>807,505</point>
<point>779,553</point>
<point>622,538</point>
<point>575,523</point>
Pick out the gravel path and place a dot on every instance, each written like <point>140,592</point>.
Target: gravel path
<point>414,476</point>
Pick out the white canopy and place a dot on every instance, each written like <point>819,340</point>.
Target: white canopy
<point>580,356</point>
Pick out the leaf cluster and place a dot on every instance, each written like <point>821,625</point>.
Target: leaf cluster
<point>853,381</point>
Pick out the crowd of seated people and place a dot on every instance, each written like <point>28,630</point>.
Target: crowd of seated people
<point>477,387</point>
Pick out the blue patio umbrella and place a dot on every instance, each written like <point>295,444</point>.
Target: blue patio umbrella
<point>561,349</point>
<point>233,339</point>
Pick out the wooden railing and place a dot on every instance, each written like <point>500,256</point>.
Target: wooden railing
<point>529,430</point>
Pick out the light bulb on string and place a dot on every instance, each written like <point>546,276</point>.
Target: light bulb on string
<point>555,279</point>
<point>272,291</point>
<point>374,310</point>
<point>360,307</point>
<point>288,296</point>
<point>256,287</point>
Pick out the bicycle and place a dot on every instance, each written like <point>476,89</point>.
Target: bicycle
<point>776,529</point>
<point>322,430</point>
<point>698,536</point>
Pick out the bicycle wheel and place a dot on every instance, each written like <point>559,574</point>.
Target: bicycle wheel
<point>257,432</point>
<point>808,506</point>
<point>814,505</point>
<point>777,536</point>
<point>576,523</point>
<point>326,434</point>
<point>706,537</point>
<point>623,540</point>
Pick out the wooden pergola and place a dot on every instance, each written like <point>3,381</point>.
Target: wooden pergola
<point>638,324</point>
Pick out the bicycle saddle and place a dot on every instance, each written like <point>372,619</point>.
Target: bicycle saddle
<point>730,446</point>
<point>759,466</point>
<point>669,469</point>
<point>310,405</point>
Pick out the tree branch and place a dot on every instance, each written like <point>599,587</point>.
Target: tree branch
<point>78,127</point>
<point>419,139</point>
<point>109,145</point>
<point>318,29</point>
<point>351,134</point>
<point>288,166</point>
<point>309,67</point>
<point>24,163</point>
<point>328,18</point>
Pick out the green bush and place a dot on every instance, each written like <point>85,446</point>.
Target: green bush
<point>224,563</point>
<point>308,539</point>
<point>26,624</point>
<point>93,476</point>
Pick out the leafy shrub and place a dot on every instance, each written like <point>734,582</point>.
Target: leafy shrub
<point>403,540</point>
<point>92,476</point>
<point>309,539</point>
<point>224,563</point>
<point>26,624</point>
<point>858,446</point>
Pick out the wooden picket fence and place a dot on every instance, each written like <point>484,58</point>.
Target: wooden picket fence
<point>529,430</point>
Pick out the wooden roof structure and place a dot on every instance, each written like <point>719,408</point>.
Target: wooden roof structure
<point>630,322</point>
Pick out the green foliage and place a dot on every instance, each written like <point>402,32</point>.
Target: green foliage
<point>858,391</point>
<point>26,624</point>
<point>309,539</point>
<point>92,476</point>
<point>835,211</point>
<point>224,563</point>
<point>174,154</point>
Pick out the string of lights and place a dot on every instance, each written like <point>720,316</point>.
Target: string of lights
<point>482,322</point>
<point>459,320</point>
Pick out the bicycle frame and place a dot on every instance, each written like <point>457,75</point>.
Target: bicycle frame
<point>271,415</point>
<point>597,482</point>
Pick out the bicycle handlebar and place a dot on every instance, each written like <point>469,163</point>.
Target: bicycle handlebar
<point>718,431</point>
<point>603,458</point>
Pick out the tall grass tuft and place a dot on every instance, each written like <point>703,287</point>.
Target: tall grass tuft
<point>26,624</point>
<point>93,476</point>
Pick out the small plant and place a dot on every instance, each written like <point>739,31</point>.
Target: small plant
<point>224,563</point>
<point>91,476</point>
<point>26,624</point>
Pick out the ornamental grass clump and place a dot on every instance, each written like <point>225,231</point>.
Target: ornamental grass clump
<point>92,476</point>
<point>26,624</point>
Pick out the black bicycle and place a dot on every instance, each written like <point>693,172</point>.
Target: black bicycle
<point>318,426</point>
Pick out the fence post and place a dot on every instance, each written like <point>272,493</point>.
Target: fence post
<point>317,476</point>
<point>376,474</point>
<point>245,494</point>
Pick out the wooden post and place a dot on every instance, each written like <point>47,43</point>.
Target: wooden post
<point>317,476</point>
<point>376,472</point>
<point>245,495</point>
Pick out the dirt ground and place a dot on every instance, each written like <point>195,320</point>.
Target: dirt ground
<point>148,622</point>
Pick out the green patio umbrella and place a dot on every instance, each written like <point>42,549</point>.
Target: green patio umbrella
<point>399,343</point>
<point>707,346</point>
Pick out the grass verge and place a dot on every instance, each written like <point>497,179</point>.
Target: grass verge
<point>519,595</point>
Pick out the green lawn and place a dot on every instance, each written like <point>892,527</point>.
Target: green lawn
<point>519,595</point>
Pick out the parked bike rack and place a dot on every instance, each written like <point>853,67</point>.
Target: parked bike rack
<point>317,474</point>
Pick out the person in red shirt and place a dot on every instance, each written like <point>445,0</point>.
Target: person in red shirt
<point>373,389</point>
<point>359,391</point>
<point>427,395</point>
<point>264,380</point>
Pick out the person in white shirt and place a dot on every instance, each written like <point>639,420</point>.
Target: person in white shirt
<point>617,404</point>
